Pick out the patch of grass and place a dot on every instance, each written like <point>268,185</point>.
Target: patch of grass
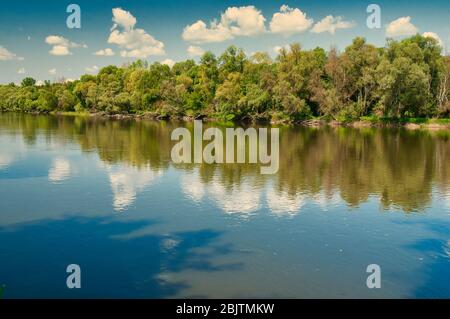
<point>72,113</point>
<point>406,120</point>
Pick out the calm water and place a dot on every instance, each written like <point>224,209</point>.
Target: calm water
<point>105,195</point>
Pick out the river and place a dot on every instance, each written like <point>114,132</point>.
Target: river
<point>105,195</point>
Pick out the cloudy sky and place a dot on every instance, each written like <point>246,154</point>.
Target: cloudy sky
<point>35,40</point>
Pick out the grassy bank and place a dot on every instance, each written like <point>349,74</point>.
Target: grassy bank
<point>365,121</point>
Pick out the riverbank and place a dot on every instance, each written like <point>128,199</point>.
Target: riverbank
<point>363,122</point>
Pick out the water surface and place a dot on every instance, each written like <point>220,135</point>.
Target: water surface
<point>105,195</point>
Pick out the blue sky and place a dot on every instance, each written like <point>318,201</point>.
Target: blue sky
<point>35,41</point>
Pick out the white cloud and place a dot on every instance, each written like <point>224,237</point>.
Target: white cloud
<point>61,46</point>
<point>123,18</point>
<point>168,62</point>
<point>243,21</point>
<point>193,50</point>
<point>60,50</point>
<point>434,36</point>
<point>52,71</point>
<point>21,71</point>
<point>278,48</point>
<point>235,21</point>
<point>6,55</point>
<point>135,43</point>
<point>92,69</point>
<point>105,52</point>
<point>401,27</point>
<point>289,21</point>
<point>331,24</point>
<point>200,33</point>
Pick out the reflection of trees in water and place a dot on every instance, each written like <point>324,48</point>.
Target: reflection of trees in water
<point>397,165</point>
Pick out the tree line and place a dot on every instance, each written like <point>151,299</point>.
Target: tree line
<point>407,78</point>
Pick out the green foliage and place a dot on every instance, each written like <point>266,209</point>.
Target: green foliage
<point>405,79</point>
<point>28,82</point>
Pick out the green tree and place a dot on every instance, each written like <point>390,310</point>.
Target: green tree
<point>28,81</point>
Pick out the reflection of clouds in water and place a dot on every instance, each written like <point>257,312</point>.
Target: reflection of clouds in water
<point>241,198</point>
<point>324,201</point>
<point>281,203</point>
<point>169,244</point>
<point>446,196</point>
<point>245,197</point>
<point>6,160</point>
<point>59,171</point>
<point>126,182</point>
<point>192,187</point>
<point>12,148</point>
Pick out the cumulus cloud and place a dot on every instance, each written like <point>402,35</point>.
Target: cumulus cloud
<point>199,32</point>
<point>168,62</point>
<point>434,36</point>
<point>60,50</point>
<point>21,71</point>
<point>289,21</point>
<point>134,42</point>
<point>330,24</point>
<point>6,55</point>
<point>123,18</point>
<point>277,49</point>
<point>92,69</point>
<point>193,50</point>
<point>244,21</point>
<point>235,21</point>
<point>52,71</point>
<point>61,46</point>
<point>401,27</point>
<point>105,52</point>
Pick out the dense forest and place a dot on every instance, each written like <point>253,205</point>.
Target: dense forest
<point>408,78</point>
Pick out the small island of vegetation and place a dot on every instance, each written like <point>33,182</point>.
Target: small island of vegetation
<point>405,81</point>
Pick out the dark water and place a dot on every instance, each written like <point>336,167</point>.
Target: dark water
<point>105,195</point>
